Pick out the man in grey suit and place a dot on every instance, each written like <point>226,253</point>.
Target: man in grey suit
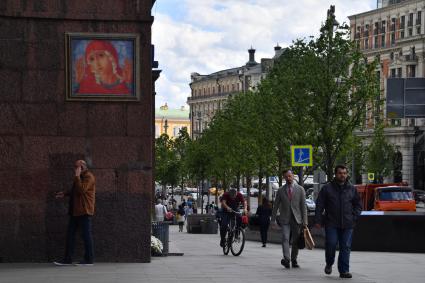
<point>290,201</point>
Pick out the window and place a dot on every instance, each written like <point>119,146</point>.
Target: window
<point>396,122</point>
<point>393,73</point>
<point>418,30</point>
<point>402,22</point>
<point>176,130</point>
<point>402,34</point>
<point>393,38</point>
<point>376,42</point>
<point>383,27</point>
<point>411,71</point>
<point>419,18</point>
<point>410,31</point>
<point>393,24</point>
<point>410,21</point>
<point>399,72</point>
<point>213,89</point>
<point>383,40</point>
<point>366,43</point>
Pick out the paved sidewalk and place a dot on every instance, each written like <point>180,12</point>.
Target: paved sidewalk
<point>204,262</point>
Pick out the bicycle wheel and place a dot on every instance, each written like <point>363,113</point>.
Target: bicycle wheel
<point>238,242</point>
<point>227,243</point>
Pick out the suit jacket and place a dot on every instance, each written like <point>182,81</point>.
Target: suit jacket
<point>287,207</point>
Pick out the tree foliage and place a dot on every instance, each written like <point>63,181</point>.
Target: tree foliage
<point>380,155</point>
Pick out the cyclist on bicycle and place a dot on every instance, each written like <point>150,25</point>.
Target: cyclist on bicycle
<point>231,201</point>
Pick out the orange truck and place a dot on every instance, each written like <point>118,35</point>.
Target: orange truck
<point>387,197</point>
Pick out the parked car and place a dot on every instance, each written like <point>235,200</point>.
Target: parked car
<point>311,205</point>
<point>419,196</point>
<point>253,192</point>
<point>214,191</point>
<point>194,196</point>
<point>243,191</point>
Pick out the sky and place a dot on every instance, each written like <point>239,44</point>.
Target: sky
<point>206,36</point>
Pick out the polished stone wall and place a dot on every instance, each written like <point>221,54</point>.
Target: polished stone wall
<point>42,134</point>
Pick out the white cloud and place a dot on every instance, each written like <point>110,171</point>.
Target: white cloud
<point>215,35</point>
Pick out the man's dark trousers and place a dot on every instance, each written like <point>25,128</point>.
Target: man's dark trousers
<point>344,238</point>
<point>84,222</point>
<point>227,218</point>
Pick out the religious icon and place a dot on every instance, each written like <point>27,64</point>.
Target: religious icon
<point>102,67</point>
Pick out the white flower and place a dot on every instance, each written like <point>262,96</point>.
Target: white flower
<point>156,245</point>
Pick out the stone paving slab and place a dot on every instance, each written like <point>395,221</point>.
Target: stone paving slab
<point>204,262</point>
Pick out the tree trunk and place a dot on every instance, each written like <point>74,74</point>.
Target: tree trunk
<point>248,190</point>
<point>260,187</point>
<point>267,187</point>
<point>301,176</point>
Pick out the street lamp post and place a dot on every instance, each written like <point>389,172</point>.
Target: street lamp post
<point>166,126</point>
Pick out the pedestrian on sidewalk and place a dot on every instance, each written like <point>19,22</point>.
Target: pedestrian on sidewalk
<point>290,201</point>
<point>160,211</point>
<point>180,217</point>
<point>188,210</point>
<point>264,211</point>
<point>81,210</point>
<point>340,202</point>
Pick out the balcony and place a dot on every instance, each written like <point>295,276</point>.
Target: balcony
<point>206,97</point>
<point>411,58</point>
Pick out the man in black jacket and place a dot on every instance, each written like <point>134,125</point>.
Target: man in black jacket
<point>340,203</point>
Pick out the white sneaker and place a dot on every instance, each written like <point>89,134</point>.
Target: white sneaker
<point>62,263</point>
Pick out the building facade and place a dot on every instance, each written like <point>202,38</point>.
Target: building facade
<point>171,121</point>
<point>394,35</point>
<point>210,92</point>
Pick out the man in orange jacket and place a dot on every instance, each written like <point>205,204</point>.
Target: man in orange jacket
<point>81,210</point>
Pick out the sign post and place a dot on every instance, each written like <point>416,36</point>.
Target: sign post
<point>302,155</point>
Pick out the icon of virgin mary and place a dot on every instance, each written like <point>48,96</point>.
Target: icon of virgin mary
<point>99,72</point>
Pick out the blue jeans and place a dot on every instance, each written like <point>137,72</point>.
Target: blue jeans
<point>344,238</point>
<point>84,222</point>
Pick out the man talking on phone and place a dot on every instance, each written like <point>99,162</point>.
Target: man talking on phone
<point>81,209</point>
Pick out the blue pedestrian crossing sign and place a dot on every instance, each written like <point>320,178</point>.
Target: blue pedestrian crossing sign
<point>302,155</point>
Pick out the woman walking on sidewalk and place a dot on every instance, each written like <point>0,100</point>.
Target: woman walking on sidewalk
<point>264,212</point>
<point>180,217</point>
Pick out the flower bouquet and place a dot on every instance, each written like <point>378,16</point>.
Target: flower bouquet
<point>156,246</point>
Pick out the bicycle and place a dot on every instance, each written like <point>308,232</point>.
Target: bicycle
<point>235,237</point>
